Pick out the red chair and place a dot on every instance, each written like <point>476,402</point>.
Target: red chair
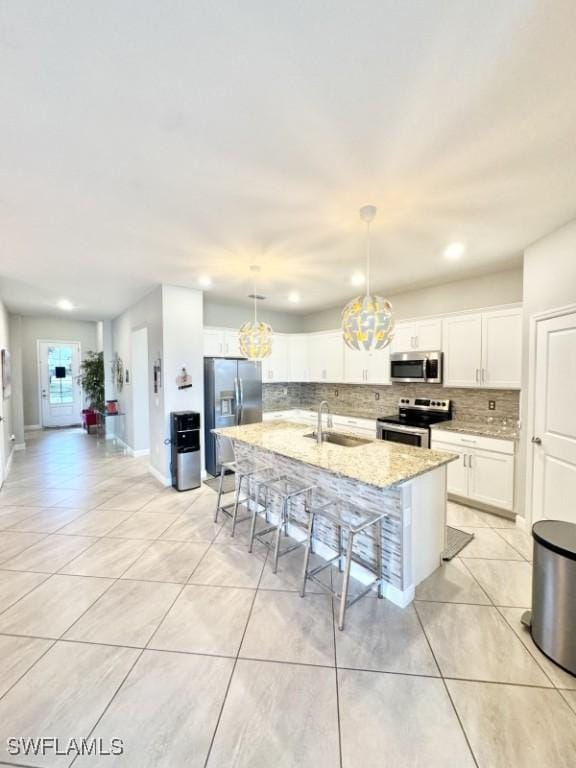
<point>89,419</point>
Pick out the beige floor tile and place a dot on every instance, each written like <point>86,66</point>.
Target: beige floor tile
<point>107,557</point>
<point>130,500</point>
<point>95,523</point>
<point>208,620</point>
<point>521,542</point>
<point>9,516</point>
<point>166,711</point>
<point>278,715</point>
<point>557,675</point>
<point>172,501</point>
<point>452,583</point>
<point>512,726</point>
<point>285,627</point>
<point>506,583</point>
<point>17,654</point>
<point>63,696</point>
<point>50,554</point>
<point>53,606</point>
<point>192,527</point>
<point>16,584</point>
<point>12,543</point>
<point>500,522</point>
<point>43,498</point>
<point>289,575</point>
<point>398,720</point>
<point>168,561</point>
<point>85,499</point>
<point>143,525</point>
<point>127,614</point>
<point>229,565</point>
<point>474,642</point>
<point>380,636</point>
<point>459,515</point>
<point>488,544</point>
<point>570,698</point>
<point>47,521</point>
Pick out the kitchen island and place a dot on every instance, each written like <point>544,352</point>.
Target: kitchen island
<point>408,483</point>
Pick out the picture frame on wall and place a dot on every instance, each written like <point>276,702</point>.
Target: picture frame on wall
<point>6,374</point>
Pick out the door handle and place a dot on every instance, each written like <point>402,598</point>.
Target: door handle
<point>241,391</point>
<point>237,396</point>
<point>537,440</point>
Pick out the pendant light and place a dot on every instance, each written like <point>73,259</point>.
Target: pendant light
<point>255,336</point>
<point>367,321</point>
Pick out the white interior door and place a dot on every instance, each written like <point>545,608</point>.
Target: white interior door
<point>60,391</point>
<point>554,438</point>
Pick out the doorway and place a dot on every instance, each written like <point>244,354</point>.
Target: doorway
<point>60,390</point>
<point>553,410</point>
<point>140,392</point>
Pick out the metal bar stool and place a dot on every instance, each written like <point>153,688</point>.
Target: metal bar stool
<point>243,469</point>
<point>286,490</point>
<point>349,521</point>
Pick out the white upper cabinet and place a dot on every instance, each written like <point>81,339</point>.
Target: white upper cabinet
<point>502,349</point>
<point>275,367</point>
<point>379,367</point>
<point>355,365</point>
<point>462,350</point>
<point>483,350</point>
<point>326,356</point>
<point>221,342</point>
<point>298,366</point>
<point>421,335</point>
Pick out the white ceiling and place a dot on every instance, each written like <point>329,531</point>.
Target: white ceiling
<point>145,142</point>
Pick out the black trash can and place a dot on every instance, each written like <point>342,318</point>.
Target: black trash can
<point>553,621</point>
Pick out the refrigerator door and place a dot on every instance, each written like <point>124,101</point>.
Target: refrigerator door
<point>250,390</point>
<point>221,387</point>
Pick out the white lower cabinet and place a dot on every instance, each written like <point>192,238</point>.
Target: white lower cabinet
<point>484,471</point>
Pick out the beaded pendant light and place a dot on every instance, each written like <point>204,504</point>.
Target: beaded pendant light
<point>255,336</point>
<point>367,321</point>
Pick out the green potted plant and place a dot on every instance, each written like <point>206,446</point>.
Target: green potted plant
<point>91,379</point>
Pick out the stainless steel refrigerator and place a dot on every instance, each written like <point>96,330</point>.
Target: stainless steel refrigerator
<point>232,396</point>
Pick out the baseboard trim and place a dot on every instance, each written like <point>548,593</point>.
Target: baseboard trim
<point>19,446</point>
<point>166,481</point>
<point>140,452</point>
<point>32,427</point>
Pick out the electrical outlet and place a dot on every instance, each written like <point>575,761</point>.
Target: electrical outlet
<point>335,393</point>
<point>285,391</point>
<point>491,405</point>
<point>376,395</point>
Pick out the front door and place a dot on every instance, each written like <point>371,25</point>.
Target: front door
<point>61,393</point>
<point>554,434</point>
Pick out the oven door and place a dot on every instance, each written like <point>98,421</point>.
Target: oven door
<point>396,433</point>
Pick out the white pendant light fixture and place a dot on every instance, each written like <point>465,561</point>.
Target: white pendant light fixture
<point>367,321</point>
<point>255,336</point>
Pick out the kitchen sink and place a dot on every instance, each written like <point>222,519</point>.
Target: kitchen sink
<point>348,441</point>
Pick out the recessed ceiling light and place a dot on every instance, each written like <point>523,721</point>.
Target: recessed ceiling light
<point>455,250</point>
<point>66,305</point>
<point>294,297</point>
<point>205,281</point>
<point>357,278</point>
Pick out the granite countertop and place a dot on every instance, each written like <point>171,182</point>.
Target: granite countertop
<point>480,428</point>
<point>377,463</point>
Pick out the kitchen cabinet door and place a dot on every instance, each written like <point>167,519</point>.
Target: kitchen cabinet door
<point>491,478</point>
<point>298,368</point>
<point>232,344</point>
<point>213,343</point>
<point>326,355</point>
<point>502,349</point>
<point>457,471</point>
<point>428,335</point>
<point>355,366</point>
<point>404,335</point>
<point>275,367</point>
<point>462,335</point>
<point>379,366</point>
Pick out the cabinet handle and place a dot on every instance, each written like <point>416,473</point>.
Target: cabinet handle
<point>468,440</point>
<point>463,459</point>
<point>415,342</point>
<point>478,375</point>
<point>470,461</point>
<point>484,374</point>
<point>220,347</point>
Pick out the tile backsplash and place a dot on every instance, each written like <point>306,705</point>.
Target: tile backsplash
<point>361,399</point>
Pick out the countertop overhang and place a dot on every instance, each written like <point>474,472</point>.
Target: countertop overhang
<point>379,463</point>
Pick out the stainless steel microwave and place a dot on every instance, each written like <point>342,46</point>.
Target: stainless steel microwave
<point>416,366</point>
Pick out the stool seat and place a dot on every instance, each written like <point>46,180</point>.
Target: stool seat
<point>348,516</point>
<point>285,486</point>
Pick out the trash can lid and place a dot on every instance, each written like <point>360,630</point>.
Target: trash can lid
<point>557,535</point>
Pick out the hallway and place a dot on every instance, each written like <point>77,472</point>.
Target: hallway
<point>127,616</point>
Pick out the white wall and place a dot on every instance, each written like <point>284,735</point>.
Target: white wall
<point>5,405</point>
<point>17,392</point>
<point>549,283</point>
<point>224,314</point>
<point>48,329</point>
<point>140,384</point>
<point>472,293</point>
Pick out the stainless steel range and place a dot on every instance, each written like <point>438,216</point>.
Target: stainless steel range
<point>412,424</point>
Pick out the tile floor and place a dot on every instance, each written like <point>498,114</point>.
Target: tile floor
<point>125,613</point>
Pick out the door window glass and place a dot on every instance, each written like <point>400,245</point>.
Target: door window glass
<point>61,388</point>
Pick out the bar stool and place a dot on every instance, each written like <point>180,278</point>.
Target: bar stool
<point>286,490</point>
<point>243,469</point>
<point>349,521</point>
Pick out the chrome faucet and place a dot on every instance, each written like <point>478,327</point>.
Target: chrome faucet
<point>329,424</point>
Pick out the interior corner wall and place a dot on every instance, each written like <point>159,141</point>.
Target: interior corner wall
<point>17,393</point>
<point>549,283</point>
<point>36,329</point>
<point>146,313</point>
<point>182,310</point>
<point>5,404</point>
